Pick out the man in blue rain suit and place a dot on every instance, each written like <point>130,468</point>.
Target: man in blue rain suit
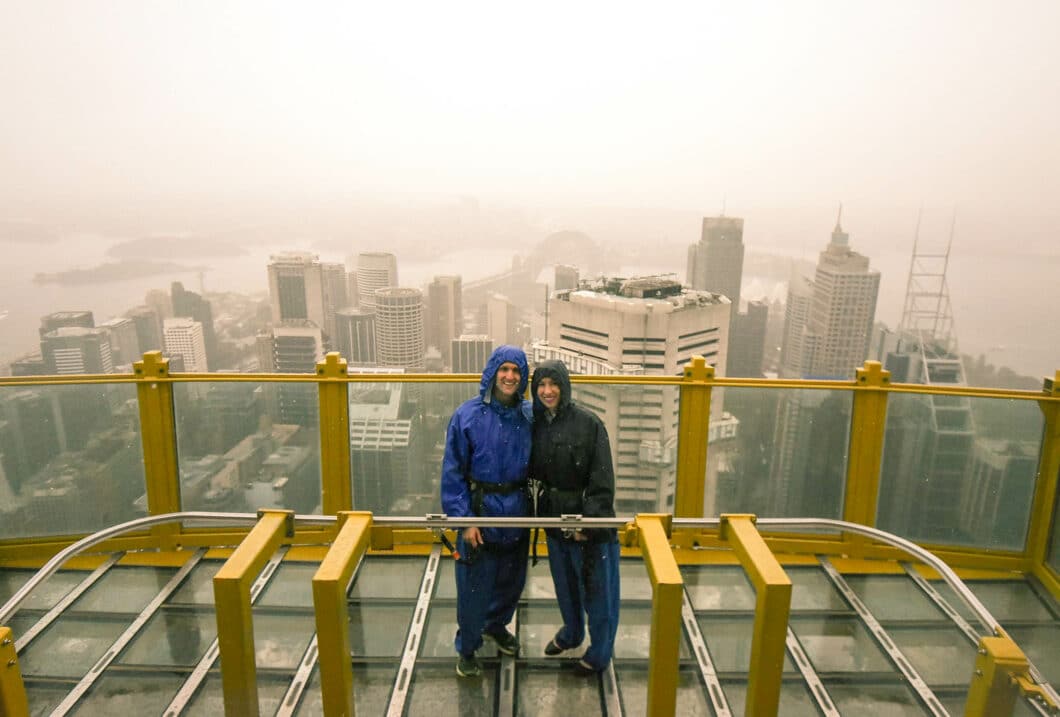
<point>487,454</point>
<point>571,466</point>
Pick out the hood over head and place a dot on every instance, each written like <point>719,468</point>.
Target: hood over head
<point>557,371</point>
<point>500,355</point>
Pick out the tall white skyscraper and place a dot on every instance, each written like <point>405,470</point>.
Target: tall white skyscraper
<point>375,270</point>
<point>399,337</point>
<point>445,314</point>
<point>185,337</point>
<point>639,326</point>
<point>297,289</point>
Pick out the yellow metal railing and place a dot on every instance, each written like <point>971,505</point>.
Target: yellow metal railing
<point>667,595</point>
<point>332,612</point>
<point>12,692</point>
<point>772,606</point>
<point>870,389</point>
<point>235,623</point>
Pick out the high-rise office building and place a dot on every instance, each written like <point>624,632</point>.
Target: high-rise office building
<point>747,341</point>
<point>715,263</point>
<point>355,336</point>
<point>834,340</point>
<point>296,289</point>
<point>386,464</point>
<point>190,305</point>
<point>335,295</point>
<point>62,319</point>
<point>375,270</point>
<point>184,336</point>
<point>124,341</point>
<point>640,326</point>
<point>292,347</point>
<point>502,320</point>
<point>827,330</point>
<point>399,328</point>
<point>470,352</point>
<point>148,328</point>
<point>74,349</point>
<point>445,314</point>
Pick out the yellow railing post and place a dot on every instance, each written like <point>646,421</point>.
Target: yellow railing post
<point>13,702</point>
<point>332,614</point>
<point>772,606</point>
<point>235,626</point>
<point>1001,674</point>
<point>868,420</point>
<point>693,430</point>
<point>158,434</point>
<point>667,595</point>
<point>336,491</point>
<point>1044,505</point>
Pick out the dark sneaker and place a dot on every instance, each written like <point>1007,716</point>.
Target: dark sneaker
<point>468,666</point>
<point>552,648</point>
<point>506,642</point>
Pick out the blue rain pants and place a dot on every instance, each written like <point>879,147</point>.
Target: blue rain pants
<point>586,578</point>
<point>488,590</point>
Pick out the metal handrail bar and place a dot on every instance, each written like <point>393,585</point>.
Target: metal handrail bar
<point>618,380</point>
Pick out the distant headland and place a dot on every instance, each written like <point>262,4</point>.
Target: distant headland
<point>114,271</point>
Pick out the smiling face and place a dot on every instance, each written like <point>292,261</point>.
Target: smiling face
<point>548,393</point>
<point>506,383</point>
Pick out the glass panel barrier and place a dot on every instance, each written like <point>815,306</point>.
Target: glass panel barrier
<point>397,442</point>
<point>245,446</point>
<point>958,470</point>
<point>779,453</point>
<point>71,459</point>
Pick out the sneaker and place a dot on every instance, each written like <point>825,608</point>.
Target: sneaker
<point>552,648</point>
<point>468,666</point>
<point>506,642</point>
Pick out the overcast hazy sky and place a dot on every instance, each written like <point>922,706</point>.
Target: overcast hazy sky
<point>942,103</point>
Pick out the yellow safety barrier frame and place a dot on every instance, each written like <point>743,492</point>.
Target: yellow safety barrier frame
<point>1001,674</point>
<point>693,426</point>
<point>772,607</point>
<point>332,614</point>
<point>336,493</point>
<point>13,702</point>
<point>235,625</point>
<point>667,587</point>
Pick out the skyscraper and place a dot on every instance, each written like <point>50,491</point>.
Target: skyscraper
<point>470,352</point>
<point>190,305</point>
<point>148,328</point>
<point>292,347</point>
<point>355,336</point>
<point>641,326</point>
<point>445,314</point>
<point>375,270</point>
<point>61,319</point>
<point>827,329</point>
<point>335,295</point>
<point>399,328</point>
<point>715,263</point>
<point>124,341</point>
<point>834,341</point>
<point>184,336</point>
<point>74,349</point>
<point>296,289</point>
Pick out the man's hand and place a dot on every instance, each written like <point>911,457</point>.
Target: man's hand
<point>473,537</point>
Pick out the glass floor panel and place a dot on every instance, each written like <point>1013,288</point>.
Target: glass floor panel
<point>371,691</point>
<point>857,673</point>
<point>894,597</point>
<point>795,699</point>
<point>172,638</point>
<point>46,595</point>
<point>692,700</point>
<point>130,694</point>
<point>290,586</point>
<point>124,589</point>
<point>436,690</point>
<point>209,700</point>
<point>721,587</point>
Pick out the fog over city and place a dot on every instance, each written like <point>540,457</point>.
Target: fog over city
<point>434,131</point>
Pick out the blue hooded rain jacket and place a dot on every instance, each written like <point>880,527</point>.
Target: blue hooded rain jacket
<point>489,443</point>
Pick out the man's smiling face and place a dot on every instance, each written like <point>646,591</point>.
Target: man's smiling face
<point>506,383</point>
